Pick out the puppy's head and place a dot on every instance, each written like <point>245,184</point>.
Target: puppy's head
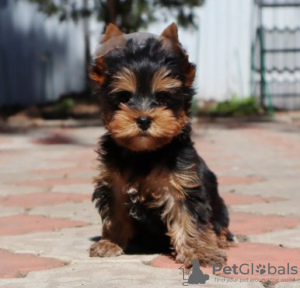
<point>144,84</point>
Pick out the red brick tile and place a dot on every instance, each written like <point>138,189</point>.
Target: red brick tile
<point>87,163</point>
<point>42,199</point>
<point>239,199</point>
<point>52,182</point>
<point>238,180</point>
<point>17,265</point>
<point>250,224</point>
<point>248,253</point>
<point>81,156</point>
<point>22,224</point>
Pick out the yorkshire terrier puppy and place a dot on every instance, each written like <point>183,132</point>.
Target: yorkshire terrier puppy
<point>152,187</point>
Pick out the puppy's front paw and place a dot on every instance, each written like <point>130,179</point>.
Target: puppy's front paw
<point>218,257</point>
<point>105,248</point>
<point>180,258</point>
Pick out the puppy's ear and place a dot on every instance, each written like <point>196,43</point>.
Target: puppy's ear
<point>171,33</point>
<point>97,71</point>
<point>116,37</point>
<point>110,32</point>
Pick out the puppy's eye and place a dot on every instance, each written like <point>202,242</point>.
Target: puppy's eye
<point>163,97</point>
<point>123,96</point>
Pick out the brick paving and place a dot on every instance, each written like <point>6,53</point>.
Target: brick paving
<point>21,224</point>
<point>14,265</point>
<point>41,199</point>
<point>47,221</point>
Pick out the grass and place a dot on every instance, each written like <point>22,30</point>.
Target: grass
<point>236,107</point>
<point>64,105</point>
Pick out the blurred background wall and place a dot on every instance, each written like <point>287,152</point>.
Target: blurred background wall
<point>42,58</point>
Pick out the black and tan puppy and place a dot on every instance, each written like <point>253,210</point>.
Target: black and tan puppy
<point>152,186</point>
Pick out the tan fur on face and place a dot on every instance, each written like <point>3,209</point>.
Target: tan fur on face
<point>124,80</point>
<point>164,127</point>
<point>163,82</point>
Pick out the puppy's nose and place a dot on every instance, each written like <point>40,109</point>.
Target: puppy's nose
<point>144,122</point>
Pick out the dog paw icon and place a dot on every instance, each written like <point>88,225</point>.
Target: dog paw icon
<point>261,269</point>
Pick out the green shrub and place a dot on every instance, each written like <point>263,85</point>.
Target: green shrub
<point>236,107</point>
<point>58,110</point>
<point>64,105</point>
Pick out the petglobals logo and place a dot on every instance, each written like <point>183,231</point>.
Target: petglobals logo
<point>193,275</point>
<point>239,273</point>
<point>252,269</point>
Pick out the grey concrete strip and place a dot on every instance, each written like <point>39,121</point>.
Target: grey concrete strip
<point>9,211</point>
<point>66,244</point>
<point>285,187</point>
<point>74,188</point>
<point>82,175</point>
<point>288,285</point>
<point>8,190</point>
<point>283,208</point>
<point>83,211</point>
<point>289,238</point>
